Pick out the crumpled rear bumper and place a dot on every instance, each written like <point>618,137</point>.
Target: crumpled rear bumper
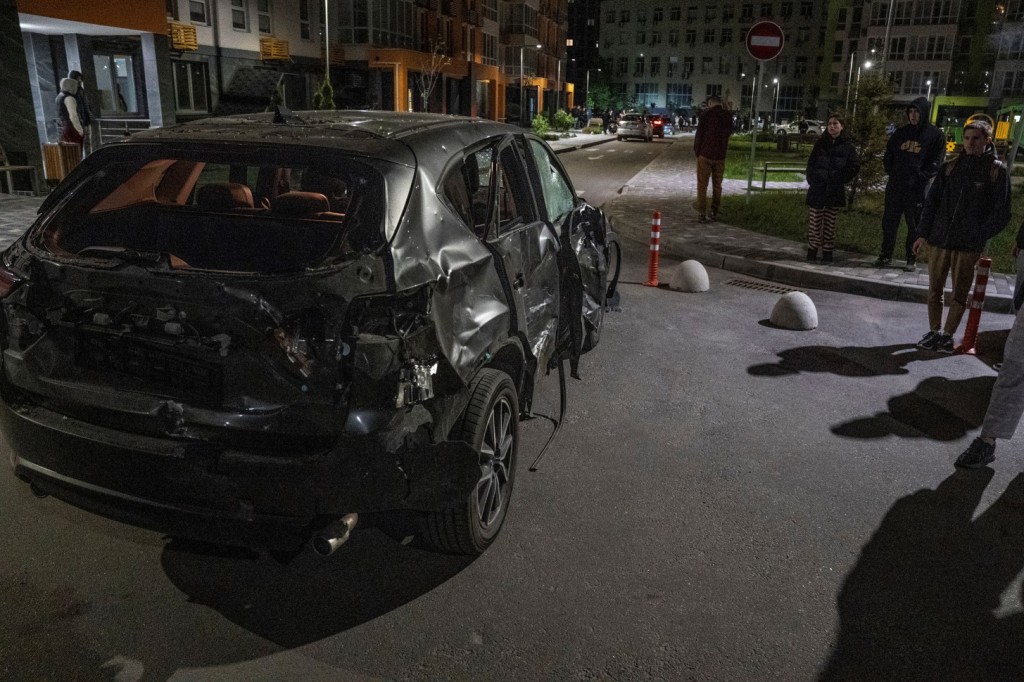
<point>209,492</point>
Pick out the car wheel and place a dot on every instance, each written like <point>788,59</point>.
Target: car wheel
<point>491,425</point>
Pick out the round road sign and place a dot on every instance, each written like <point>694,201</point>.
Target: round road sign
<point>764,40</point>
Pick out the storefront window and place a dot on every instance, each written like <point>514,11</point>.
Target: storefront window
<point>115,84</point>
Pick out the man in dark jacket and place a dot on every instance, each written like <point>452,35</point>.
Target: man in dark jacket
<point>912,158</point>
<point>709,144</point>
<point>968,204</point>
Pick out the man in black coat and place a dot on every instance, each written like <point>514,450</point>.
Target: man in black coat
<point>912,158</point>
<point>968,204</point>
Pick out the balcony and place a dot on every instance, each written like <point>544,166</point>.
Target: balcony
<point>474,18</point>
<point>182,36</point>
<point>272,49</point>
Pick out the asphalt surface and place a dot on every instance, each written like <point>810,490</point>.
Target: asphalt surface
<point>668,185</point>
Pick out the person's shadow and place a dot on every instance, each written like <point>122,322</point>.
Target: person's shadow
<point>935,594</point>
<point>938,408</point>
<point>847,361</point>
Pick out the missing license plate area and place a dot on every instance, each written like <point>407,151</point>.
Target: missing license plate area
<point>760,286</point>
<point>185,377</point>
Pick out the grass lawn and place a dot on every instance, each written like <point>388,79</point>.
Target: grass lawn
<point>784,214</point>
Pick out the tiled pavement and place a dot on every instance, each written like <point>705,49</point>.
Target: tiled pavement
<point>668,185</point>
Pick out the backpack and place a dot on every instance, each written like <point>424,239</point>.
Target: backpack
<point>993,168</point>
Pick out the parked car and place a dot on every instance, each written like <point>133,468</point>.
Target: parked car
<point>257,330</point>
<point>634,125</point>
<point>794,127</point>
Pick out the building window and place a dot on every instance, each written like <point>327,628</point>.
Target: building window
<point>766,9</point>
<point>641,38</point>
<point>263,15</point>
<point>726,36</point>
<point>623,67</point>
<point>709,35</point>
<point>239,16</point>
<point>646,94</point>
<point>747,11</point>
<point>172,9</point>
<point>691,15</point>
<point>656,38</point>
<point>679,96</point>
<point>897,48</point>
<point>655,66</point>
<point>490,56</point>
<point>191,87</point>
<point>807,9</point>
<point>673,37</point>
<point>707,65</point>
<point>712,90</point>
<point>675,13</point>
<point>624,16</point>
<point>610,17</point>
<point>727,13</point>
<point>687,67</point>
<point>709,13</point>
<point>673,63</point>
<point>800,68</point>
<point>304,30</point>
<point>197,12</point>
<point>641,16</point>
<point>691,36</point>
<point>787,10</point>
<point>659,14</point>
<point>638,66</point>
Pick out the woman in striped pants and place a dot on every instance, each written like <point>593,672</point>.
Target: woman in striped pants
<point>832,164</point>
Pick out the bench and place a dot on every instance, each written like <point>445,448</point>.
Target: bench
<point>779,167</point>
<point>7,168</point>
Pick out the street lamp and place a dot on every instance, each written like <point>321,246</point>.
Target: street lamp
<point>929,84</point>
<point>775,107</point>
<point>522,84</point>
<point>586,98</point>
<point>856,88</point>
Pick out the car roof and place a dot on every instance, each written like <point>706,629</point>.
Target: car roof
<point>384,134</point>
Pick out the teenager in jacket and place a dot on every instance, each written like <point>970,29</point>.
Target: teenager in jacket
<point>912,158</point>
<point>69,112</point>
<point>832,164</point>
<point>968,204</point>
<point>709,146</point>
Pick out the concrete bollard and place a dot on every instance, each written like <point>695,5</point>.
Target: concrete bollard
<point>794,310</point>
<point>690,276</point>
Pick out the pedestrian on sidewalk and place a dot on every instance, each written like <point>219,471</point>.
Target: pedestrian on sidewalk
<point>709,146</point>
<point>968,204</point>
<point>912,158</point>
<point>1005,405</point>
<point>832,164</point>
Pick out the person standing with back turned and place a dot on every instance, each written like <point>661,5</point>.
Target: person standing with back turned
<point>709,145</point>
<point>912,158</point>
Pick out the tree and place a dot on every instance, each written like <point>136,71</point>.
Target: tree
<point>866,124</point>
<point>430,71</point>
<point>323,96</point>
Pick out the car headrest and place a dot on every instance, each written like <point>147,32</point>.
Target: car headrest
<point>300,204</point>
<point>224,196</point>
<point>332,187</point>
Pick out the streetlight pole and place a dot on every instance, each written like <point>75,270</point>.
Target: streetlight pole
<point>775,105</point>
<point>327,43</point>
<point>929,95</point>
<point>856,89</point>
<point>586,98</point>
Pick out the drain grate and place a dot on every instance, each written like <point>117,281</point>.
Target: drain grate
<point>760,286</point>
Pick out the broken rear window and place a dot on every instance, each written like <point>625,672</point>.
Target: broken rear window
<point>251,211</point>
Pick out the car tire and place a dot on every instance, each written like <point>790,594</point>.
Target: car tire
<point>490,423</point>
<point>619,138</point>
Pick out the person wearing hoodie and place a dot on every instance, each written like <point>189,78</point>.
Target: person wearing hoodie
<point>968,204</point>
<point>912,158</point>
<point>709,146</point>
<point>69,112</point>
<point>833,163</point>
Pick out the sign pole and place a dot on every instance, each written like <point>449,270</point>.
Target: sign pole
<point>755,105</point>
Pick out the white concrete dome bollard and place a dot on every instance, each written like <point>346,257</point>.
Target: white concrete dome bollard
<point>794,310</point>
<point>690,276</point>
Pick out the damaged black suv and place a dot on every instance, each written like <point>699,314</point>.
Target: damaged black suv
<point>252,330</point>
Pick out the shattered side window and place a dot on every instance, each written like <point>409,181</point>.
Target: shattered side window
<point>515,207</point>
<point>466,188</point>
<point>559,198</point>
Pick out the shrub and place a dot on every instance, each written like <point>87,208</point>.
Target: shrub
<point>562,121</point>
<point>540,125</point>
<point>323,96</point>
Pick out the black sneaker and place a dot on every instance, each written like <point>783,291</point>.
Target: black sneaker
<point>978,454</point>
<point>702,218</point>
<point>882,262</point>
<point>911,265</point>
<point>944,344</point>
<point>812,255</point>
<point>927,341</point>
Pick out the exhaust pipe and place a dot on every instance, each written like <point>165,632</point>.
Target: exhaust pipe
<point>326,541</point>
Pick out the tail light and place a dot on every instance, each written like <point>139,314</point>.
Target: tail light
<point>8,282</point>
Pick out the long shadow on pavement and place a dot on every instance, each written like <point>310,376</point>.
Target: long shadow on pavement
<point>847,361</point>
<point>934,594</point>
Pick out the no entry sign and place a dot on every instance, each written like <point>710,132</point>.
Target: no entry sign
<point>764,40</point>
